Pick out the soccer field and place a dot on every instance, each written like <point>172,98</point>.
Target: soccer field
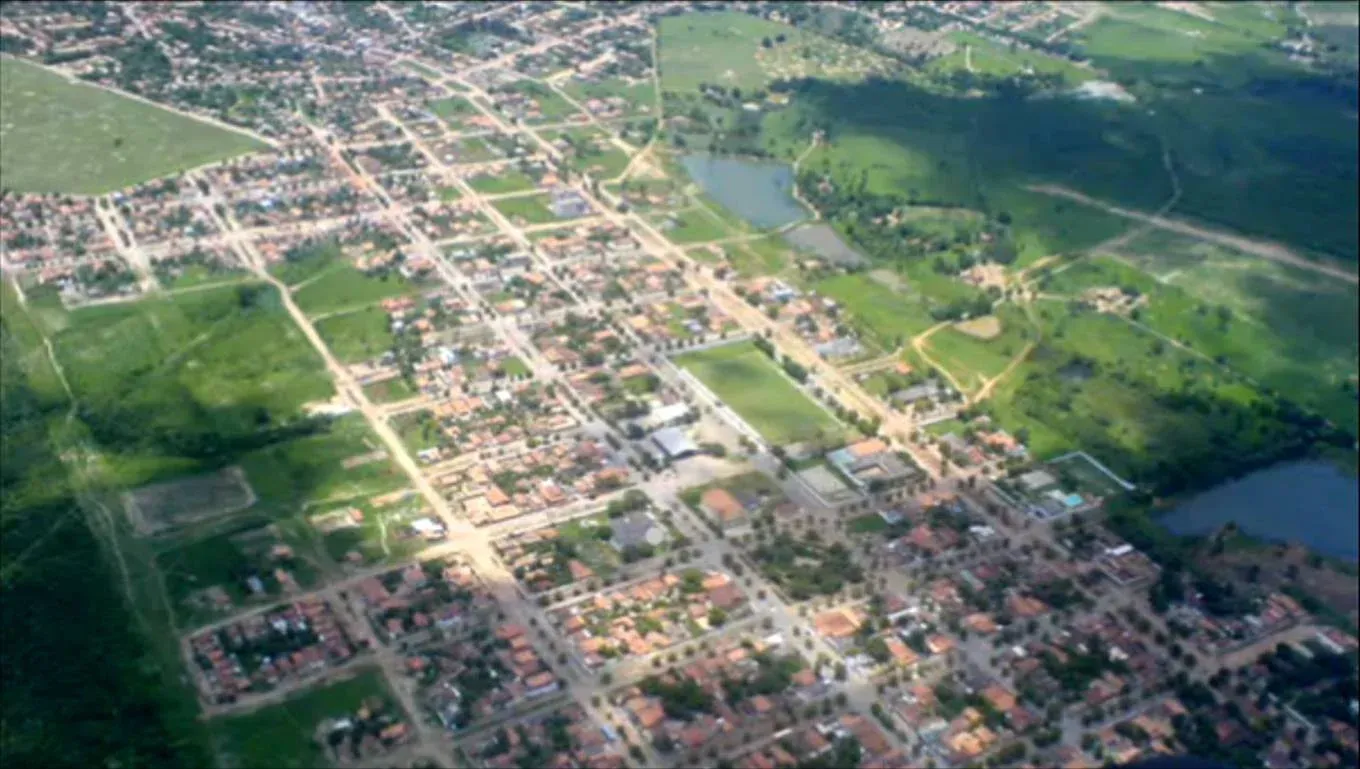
<point>754,387</point>
<point>65,137</point>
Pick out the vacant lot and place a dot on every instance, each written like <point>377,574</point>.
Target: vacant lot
<point>152,509</point>
<point>59,136</point>
<point>750,383</point>
<point>281,735</point>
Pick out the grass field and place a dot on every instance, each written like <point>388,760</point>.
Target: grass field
<point>225,560</point>
<point>888,318</point>
<point>989,58</point>
<point>281,735</point>
<point>59,136</point>
<point>341,287</point>
<point>390,391</point>
<point>592,152</point>
<point>357,335</point>
<point>1281,326</point>
<point>640,95</point>
<point>454,110</point>
<point>692,225</point>
<point>310,469</point>
<point>754,387</point>
<point>726,49</point>
<point>502,181</point>
<point>529,209</point>
<point>154,374</point>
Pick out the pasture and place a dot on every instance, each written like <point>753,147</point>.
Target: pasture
<point>755,388</point>
<point>61,136</point>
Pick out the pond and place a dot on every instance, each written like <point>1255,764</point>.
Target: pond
<point>1312,502</point>
<point>758,191</point>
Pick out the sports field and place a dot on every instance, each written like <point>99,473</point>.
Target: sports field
<point>750,383</point>
<point>60,136</point>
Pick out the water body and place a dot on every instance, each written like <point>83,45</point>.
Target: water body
<point>1310,501</point>
<point>758,191</point>
<point>825,242</point>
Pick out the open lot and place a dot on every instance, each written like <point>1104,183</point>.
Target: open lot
<point>60,136</point>
<point>754,387</point>
<point>283,735</point>
<point>357,335</point>
<point>162,506</point>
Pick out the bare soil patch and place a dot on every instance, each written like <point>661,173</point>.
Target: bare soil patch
<point>174,504</point>
<point>985,327</point>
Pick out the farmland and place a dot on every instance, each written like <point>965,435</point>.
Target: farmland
<point>110,141</point>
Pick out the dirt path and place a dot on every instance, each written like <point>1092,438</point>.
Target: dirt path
<point>991,384</point>
<point>1263,248</point>
<point>918,343</point>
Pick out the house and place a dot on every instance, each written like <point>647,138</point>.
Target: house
<point>724,508</point>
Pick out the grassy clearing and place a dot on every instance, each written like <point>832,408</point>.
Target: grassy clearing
<point>502,181</point>
<point>1281,326</point>
<point>281,735</point>
<point>158,373</point>
<point>529,209</point>
<point>640,95</point>
<point>357,336</point>
<point>692,225</point>
<point>455,110</point>
<point>310,469</point>
<point>727,49</point>
<point>390,391</point>
<point>988,58</point>
<point>60,136</point>
<point>590,151</point>
<point>889,318</point>
<point>750,383</point>
<point>342,287</point>
<point>226,560</point>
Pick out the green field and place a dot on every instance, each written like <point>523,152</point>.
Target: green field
<point>158,377</point>
<point>308,470</point>
<point>988,58</point>
<point>529,209</point>
<point>1281,326</point>
<point>692,225</point>
<point>341,287</point>
<point>502,181</point>
<point>357,335</point>
<point>754,387</point>
<point>281,735</point>
<point>640,95</point>
<point>725,49</point>
<point>889,318</point>
<point>390,391</point>
<point>591,152</point>
<point>226,559</point>
<point>59,136</point>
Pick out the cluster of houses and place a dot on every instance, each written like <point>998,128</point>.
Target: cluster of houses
<point>257,653</point>
<point>652,615</point>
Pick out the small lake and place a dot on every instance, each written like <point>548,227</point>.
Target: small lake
<point>758,191</point>
<point>1311,501</point>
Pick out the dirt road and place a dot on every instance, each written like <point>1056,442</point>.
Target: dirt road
<point>1263,248</point>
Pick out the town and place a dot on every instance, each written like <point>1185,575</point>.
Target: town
<point>611,493</point>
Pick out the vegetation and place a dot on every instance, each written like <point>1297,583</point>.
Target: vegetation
<point>103,141</point>
<point>753,386</point>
